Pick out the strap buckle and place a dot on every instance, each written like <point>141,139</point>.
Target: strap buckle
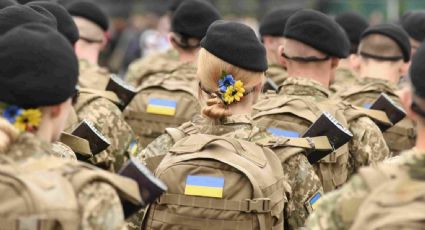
<point>259,205</point>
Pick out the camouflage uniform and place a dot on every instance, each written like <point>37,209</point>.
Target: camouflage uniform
<point>156,63</point>
<point>92,76</point>
<point>276,73</point>
<point>99,202</point>
<point>301,178</point>
<point>339,209</point>
<point>109,120</point>
<point>402,135</point>
<point>344,78</point>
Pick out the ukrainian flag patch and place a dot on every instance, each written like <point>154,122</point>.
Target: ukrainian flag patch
<point>133,148</point>
<point>367,105</point>
<point>162,106</point>
<point>206,186</point>
<point>283,133</point>
<point>314,201</point>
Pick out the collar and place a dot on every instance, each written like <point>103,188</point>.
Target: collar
<point>299,86</point>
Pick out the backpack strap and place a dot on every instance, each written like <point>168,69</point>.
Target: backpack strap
<point>355,112</point>
<point>86,96</point>
<point>319,143</point>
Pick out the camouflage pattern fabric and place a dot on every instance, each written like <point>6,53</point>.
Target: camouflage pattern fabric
<point>277,74</point>
<point>330,213</point>
<point>301,178</point>
<point>63,150</point>
<point>153,64</point>
<point>344,78</point>
<point>108,119</point>
<point>92,76</point>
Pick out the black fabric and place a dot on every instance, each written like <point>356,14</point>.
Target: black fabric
<point>236,44</point>
<point>318,31</point>
<point>193,17</point>
<point>417,72</point>
<point>66,25</point>
<point>273,23</point>
<point>174,5</point>
<point>13,16</point>
<point>6,3</point>
<point>414,24</point>
<point>89,11</point>
<point>306,59</point>
<point>394,32</point>
<point>39,66</point>
<point>354,25</point>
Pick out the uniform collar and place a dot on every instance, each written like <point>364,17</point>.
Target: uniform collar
<point>299,86</point>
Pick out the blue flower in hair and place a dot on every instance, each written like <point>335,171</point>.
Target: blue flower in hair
<point>11,113</point>
<point>225,81</point>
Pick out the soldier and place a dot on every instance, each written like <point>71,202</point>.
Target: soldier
<point>99,106</point>
<point>311,61</point>
<point>168,100</point>
<point>38,79</point>
<point>227,114</point>
<point>387,196</point>
<point>412,23</point>
<point>354,25</point>
<point>271,27</point>
<point>92,25</point>
<point>383,57</point>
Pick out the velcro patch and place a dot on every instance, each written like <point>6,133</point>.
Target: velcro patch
<point>367,105</point>
<point>162,106</point>
<point>206,186</point>
<point>283,133</point>
<point>312,203</point>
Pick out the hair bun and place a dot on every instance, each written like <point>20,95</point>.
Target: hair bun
<point>216,109</point>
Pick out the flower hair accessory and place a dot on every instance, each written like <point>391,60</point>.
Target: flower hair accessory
<point>230,90</point>
<point>23,119</point>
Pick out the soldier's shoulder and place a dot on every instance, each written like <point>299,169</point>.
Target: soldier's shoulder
<point>63,151</point>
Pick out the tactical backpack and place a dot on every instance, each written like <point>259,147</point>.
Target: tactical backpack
<point>399,137</point>
<point>42,193</point>
<point>218,183</point>
<point>292,116</point>
<point>166,101</point>
<point>395,200</point>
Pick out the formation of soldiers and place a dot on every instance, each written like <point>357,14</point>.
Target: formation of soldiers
<point>316,124</point>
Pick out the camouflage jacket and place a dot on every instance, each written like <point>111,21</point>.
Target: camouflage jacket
<point>340,209</point>
<point>367,145</point>
<point>92,76</point>
<point>99,203</point>
<point>109,120</point>
<point>156,63</point>
<point>276,73</point>
<point>344,78</point>
<point>366,91</point>
<point>303,182</point>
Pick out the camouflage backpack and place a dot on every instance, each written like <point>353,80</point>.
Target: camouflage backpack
<point>395,200</point>
<point>161,102</point>
<point>402,135</point>
<point>292,116</point>
<point>42,193</point>
<point>218,183</point>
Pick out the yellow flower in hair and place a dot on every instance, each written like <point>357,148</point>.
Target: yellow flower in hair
<point>234,92</point>
<point>28,120</point>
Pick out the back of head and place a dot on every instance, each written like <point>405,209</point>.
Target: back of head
<point>354,25</point>
<point>13,16</point>
<point>191,20</point>
<point>231,52</point>
<point>273,23</point>
<point>414,24</point>
<point>66,26</point>
<point>36,73</point>
<point>385,42</point>
<point>417,72</point>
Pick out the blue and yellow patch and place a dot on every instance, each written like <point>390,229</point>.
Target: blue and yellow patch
<point>367,105</point>
<point>207,186</point>
<point>283,133</point>
<point>314,201</point>
<point>133,148</point>
<point>162,106</point>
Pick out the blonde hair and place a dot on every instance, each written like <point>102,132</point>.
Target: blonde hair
<point>8,134</point>
<point>210,69</point>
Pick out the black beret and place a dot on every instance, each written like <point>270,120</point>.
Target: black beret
<point>39,67</point>
<point>13,16</point>
<point>394,32</point>
<point>193,17</point>
<point>174,5</point>
<point>89,11</point>
<point>236,44</point>
<point>353,24</point>
<point>273,23</point>
<point>318,31</point>
<point>6,3</point>
<point>414,24</point>
<point>66,25</point>
<point>417,72</point>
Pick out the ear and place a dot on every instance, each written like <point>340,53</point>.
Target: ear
<point>54,111</point>
<point>404,68</point>
<point>282,59</point>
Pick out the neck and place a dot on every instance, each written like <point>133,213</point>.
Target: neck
<point>344,63</point>
<point>45,130</point>
<point>272,57</point>
<point>91,55</point>
<point>380,71</point>
<point>323,77</point>
<point>188,56</point>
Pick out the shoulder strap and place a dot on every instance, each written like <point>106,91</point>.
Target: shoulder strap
<point>88,95</point>
<point>319,143</point>
<point>354,112</point>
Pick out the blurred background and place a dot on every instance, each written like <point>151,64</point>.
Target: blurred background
<point>140,27</point>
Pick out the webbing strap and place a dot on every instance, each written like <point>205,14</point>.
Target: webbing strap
<point>176,134</point>
<point>201,223</point>
<point>319,143</point>
<point>375,114</point>
<point>77,144</point>
<point>155,117</point>
<point>401,130</point>
<point>260,205</point>
<point>22,223</point>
